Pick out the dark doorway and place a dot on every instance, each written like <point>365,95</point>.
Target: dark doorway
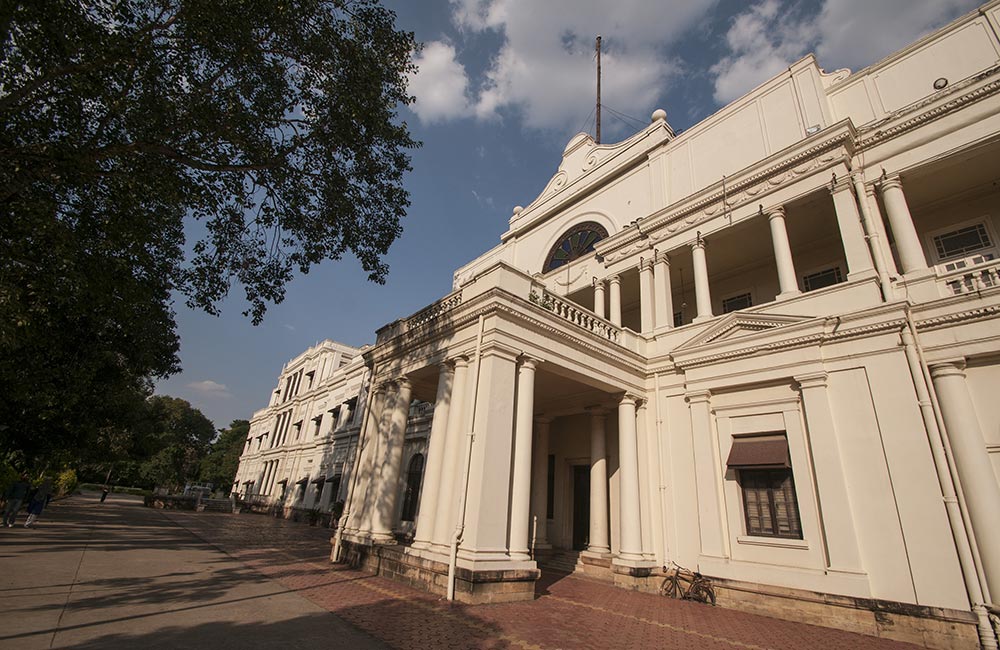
<point>581,507</point>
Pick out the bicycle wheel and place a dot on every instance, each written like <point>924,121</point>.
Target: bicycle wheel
<point>673,587</point>
<point>702,592</point>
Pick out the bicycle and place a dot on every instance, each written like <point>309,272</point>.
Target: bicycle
<point>687,585</point>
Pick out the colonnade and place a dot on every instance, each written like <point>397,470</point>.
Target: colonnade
<point>655,289</point>
<point>372,509</point>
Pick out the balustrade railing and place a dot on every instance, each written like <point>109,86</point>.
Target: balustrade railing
<point>434,310</point>
<point>969,277</point>
<point>576,314</point>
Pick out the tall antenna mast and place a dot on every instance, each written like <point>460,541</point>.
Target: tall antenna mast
<point>598,140</point>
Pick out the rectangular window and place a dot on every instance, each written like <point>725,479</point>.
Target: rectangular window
<point>317,421</point>
<point>961,242</point>
<point>734,303</point>
<point>678,318</point>
<point>769,503</point>
<point>764,471</point>
<point>824,278</point>
<point>551,488</point>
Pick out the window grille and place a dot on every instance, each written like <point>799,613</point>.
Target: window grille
<point>824,278</point>
<point>962,241</point>
<point>734,303</point>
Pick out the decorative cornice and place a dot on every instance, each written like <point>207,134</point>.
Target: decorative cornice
<point>879,135</point>
<point>739,193</point>
<point>937,322</point>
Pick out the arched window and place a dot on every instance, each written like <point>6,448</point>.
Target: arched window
<point>414,475</point>
<point>577,242</point>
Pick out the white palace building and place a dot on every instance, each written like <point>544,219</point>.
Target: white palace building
<point>766,348</point>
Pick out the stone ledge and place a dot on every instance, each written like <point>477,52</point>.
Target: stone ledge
<point>471,587</point>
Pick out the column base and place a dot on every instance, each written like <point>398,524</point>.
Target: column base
<point>420,544</point>
<point>632,565</point>
<point>597,553</point>
<point>864,274</point>
<point>785,295</point>
<point>383,539</point>
<point>702,319</point>
<point>542,546</point>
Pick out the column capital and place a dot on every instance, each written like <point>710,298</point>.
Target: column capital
<point>698,396</point>
<point>459,361</point>
<point>646,263</point>
<point>597,410</point>
<point>661,257</point>
<point>630,398</point>
<point>890,183</point>
<point>812,379</point>
<point>402,382</point>
<point>698,243</point>
<point>954,367</point>
<point>614,279</point>
<point>838,185</point>
<point>777,212</point>
<point>597,282</point>
<point>543,419</point>
<point>529,362</point>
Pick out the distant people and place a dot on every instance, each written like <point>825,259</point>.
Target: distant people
<point>15,496</point>
<point>104,493</point>
<point>38,502</point>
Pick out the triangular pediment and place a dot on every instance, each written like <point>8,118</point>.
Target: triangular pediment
<point>739,325</point>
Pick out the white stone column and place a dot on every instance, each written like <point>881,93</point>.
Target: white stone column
<point>357,500</point>
<point>435,457</point>
<point>628,469</point>
<point>540,483</point>
<point>599,544</point>
<point>787,281</point>
<point>392,461</point>
<point>664,301</point>
<point>703,296</point>
<point>520,491</point>
<point>852,235</point>
<point>842,550</point>
<point>911,253</point>
<point>615,299</point>
<point>599,297</point>
<point>982,493</point>
<point>646,295</point>
<point>876,215</point>
<point>707,472</point>
<point>447,502</point>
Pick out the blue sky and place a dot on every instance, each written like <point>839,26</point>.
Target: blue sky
<point>502,86</point>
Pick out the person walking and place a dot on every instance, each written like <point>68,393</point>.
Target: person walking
<point>38,502</point>
<point>15,496</point>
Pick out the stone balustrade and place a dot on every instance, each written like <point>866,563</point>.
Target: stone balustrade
<point>575,314</point>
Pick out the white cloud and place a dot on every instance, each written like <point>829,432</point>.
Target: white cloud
<point>209,388</point>
<point>440,84</point>
<point>857,33</point>
<point>544,69</point>
<point>770,35</point>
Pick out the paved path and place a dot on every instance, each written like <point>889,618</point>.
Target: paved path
<point>119,575</point>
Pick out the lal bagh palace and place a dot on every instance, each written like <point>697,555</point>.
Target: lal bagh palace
<point>766,348</point>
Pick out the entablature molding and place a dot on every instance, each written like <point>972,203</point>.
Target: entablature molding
<point>812,155</point>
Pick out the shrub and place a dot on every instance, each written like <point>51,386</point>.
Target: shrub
<point>65,483</point>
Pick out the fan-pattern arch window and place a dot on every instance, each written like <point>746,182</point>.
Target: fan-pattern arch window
<point>576,242</point>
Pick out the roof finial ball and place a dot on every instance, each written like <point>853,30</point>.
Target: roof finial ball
<point>517,210</point>
<point>659,115</point>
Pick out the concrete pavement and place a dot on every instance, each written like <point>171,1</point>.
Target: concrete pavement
<point>117,575</point>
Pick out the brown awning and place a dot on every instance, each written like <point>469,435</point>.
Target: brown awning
<point>319,479</point>
<point>302,481</point>
<point>760,452</point>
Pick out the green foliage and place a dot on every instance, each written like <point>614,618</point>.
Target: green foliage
<point>266,129</point>
<point>223,458</point>
<point>65,482</point>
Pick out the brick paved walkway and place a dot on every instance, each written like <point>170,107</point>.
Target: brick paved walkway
<point>571,612</point>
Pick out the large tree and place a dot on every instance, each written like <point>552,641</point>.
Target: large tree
<point>265,130</point>
<point>219,465</point>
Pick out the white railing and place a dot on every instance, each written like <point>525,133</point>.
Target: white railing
<point>969,275</point>
<point>431,312</point>
<point>576,314</point>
